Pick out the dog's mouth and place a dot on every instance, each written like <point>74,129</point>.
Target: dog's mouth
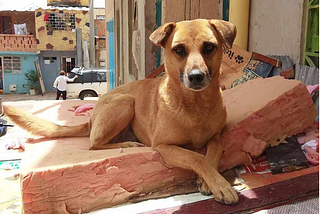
<point>197,87</point>
<point>195,80</point>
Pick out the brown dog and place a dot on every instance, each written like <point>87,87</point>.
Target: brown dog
<point>183,109</point>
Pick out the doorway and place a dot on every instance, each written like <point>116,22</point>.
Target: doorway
<point>68,63</point>
<point>50,70</point>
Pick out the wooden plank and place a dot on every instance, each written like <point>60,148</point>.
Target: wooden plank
<point>174,10</point>
<point>263,197</point>
<point>156,72</point>
<point>38,70</point>
<point>209,9</point>
<point>271,61</point>
<point>187,12</point>
<point>195,9</point>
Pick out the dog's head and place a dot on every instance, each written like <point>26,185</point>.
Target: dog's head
<point>193,49</point>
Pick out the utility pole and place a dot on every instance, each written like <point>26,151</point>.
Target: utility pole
<point>92,45</point>
<point>79,47</point>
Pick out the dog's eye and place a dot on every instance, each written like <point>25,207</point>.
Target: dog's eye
<point>180,50</point>
<point>208,48</point>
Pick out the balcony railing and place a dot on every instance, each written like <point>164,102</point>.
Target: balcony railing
<point>18,43</point>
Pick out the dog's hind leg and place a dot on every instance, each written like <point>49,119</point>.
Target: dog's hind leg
<point>110,120</point>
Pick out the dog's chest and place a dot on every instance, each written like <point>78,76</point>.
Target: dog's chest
<point>200,131</point>
<point>194,129</point>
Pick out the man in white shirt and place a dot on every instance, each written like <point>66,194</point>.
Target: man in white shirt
<point>61,84</point>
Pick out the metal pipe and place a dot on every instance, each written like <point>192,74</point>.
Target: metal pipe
<point>92,43</point>
<point>79,46</point>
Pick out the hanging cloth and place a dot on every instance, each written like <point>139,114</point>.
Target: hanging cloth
<point>20,29</point>
<point>46,17</point>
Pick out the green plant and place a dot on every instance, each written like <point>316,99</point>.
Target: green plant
<point>32,79</point>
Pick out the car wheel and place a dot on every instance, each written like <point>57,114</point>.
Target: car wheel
<point>87,94</point>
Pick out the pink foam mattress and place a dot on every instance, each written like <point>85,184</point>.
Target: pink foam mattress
<point>63,176</point>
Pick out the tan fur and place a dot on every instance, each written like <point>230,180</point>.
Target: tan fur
<point>168,112</point>
<point>40,127</point>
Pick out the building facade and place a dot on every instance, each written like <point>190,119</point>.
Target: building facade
<point>56,39</point>
<point>44,34</point>
<point>18,50</point>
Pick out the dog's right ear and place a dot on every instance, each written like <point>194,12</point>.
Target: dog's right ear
<point>160,35</point>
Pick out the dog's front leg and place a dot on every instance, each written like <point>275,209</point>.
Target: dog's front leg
<point>213,155</point>
<point>176,156</point>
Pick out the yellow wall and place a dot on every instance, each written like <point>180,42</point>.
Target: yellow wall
<point>239,15</point>
<point>81,2</point>
<point>60,40</point>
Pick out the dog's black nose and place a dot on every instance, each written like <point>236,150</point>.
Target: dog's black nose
<point>195,76</point>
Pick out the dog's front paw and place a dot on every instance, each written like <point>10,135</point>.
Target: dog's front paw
<point>203,186</point>
<point>224,193</point>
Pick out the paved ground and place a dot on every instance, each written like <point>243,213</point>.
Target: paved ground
<point>21,97</point>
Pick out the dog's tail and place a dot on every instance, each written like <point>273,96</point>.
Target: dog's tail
<point>40,127</point>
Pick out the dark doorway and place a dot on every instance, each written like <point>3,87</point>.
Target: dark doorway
<point>68,63</point>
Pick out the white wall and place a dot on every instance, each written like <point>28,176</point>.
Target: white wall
<point>109,10</point>
<point>275,27</point>
<point>99,11</point>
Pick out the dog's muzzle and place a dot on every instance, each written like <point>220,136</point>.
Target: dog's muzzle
<point>196,80</point>
<point>195,77</point>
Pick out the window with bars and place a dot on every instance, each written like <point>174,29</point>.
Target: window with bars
<point>68,63</point>
<point>12,64</point>
<point>61,21</point>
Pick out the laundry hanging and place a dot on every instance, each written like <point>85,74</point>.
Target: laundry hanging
<point>20,29</point>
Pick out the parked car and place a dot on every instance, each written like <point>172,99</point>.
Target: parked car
<point>90,83</point>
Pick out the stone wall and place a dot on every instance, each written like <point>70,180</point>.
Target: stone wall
<point>62,35</point>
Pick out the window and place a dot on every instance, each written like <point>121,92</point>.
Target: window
<point>12,64</point>
<point>101,17</point>
<point>5,25</point>
<point>61,21</point>
<point>68,63</point>
<point>49,60</point>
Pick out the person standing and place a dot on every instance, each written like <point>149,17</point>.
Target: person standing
<point>61,84</point>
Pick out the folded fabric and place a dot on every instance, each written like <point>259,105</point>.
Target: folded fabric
<point>82,109</point>
<point>313,88</point>
<point>311,151</point>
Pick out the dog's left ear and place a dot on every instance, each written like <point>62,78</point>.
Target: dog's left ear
<point>226,30</point>
<point>160,35</point>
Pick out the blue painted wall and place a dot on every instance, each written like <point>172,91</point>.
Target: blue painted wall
<point>27,63</point>
<point>110,28</point>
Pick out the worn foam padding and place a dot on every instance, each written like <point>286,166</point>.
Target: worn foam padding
<point>63,176</point>
<point>66,180</point>
<point>263,112</point>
